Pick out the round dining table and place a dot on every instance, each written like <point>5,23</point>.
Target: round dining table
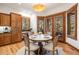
<point>40,38</point>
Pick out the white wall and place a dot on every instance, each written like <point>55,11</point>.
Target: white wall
<point>61,8</point>
<point>33,23</point>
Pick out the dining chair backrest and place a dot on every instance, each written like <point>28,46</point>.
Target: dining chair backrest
<point>55,41</point>
<point>54,44</point>
<point>49,33</point>
<point>59,50</point>
<point>26,41</point>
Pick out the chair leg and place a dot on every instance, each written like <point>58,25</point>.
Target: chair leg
<point>38,51</point>
<point>25,52</point>
<point>53,52</point>
<point>28,52</point>
<point>57,52</point>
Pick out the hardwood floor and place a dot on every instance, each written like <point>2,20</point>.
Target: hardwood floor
<point>68,50</point>
<point>13,48</point>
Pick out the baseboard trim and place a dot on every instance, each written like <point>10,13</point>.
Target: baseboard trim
<point>72,46</point>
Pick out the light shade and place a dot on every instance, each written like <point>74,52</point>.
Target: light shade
<point>38,7</point>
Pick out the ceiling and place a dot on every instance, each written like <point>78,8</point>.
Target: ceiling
<point>28,7</point>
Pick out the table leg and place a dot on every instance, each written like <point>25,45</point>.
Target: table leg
<point>41,48</point>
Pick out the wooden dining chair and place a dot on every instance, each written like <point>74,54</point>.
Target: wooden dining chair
<point>57,50</point>
<point>49,46</point>
<point>52,46</point>
<point>29,46</point>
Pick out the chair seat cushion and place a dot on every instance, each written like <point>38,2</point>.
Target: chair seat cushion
<point>60,50</point>
<point>49,46</point>
<point>22,52</point>
<point>33,47</point>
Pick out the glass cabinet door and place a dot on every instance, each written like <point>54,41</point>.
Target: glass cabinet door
<point>49,25</point>
<point>40,25</point>
<point>58,24</point>
<point>58,28</point>
<point>25,23</point>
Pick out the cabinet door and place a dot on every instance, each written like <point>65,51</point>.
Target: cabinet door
<point>48,25</point>
<point>19,22</point>
<point>15,37</point>
<point>41,24</point>
<point>7,38</point>
<point>0,19</point>
<point>19,27</point>
<point>1,39</point>
<point>5,19</point>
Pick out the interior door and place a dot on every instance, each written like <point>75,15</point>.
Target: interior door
<point>59,26</point>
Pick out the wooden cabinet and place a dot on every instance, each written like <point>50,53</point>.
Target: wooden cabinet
<point>4,19</point>
<point>1,39</point>
<point>15,21</point>
<point>5,38</point>
<point>16,24</point>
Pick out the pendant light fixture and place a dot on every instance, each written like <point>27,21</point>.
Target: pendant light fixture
<point>39,7</point>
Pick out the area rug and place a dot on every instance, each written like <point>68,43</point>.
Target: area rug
<point>22,52</point>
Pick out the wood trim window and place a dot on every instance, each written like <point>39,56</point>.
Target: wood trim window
<point>72,22</point>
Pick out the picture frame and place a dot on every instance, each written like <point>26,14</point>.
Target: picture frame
<point>25,23</point>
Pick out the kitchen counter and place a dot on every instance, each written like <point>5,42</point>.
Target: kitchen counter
<point>6,33</point>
